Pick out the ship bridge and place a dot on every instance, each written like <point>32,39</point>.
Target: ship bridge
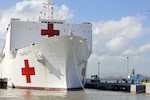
<point>51,21</point>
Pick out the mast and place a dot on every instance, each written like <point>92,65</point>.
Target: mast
<point>47,9</point>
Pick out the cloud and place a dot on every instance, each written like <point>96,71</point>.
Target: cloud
<point>139,50</point>
<point>64,12</point>
<point>117,43</point>
<point>116,35</point>
<point>120,27</point>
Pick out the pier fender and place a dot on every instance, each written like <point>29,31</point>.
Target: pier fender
<point>13,86</point>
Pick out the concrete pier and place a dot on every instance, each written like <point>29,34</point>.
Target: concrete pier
<point>137,88</point>
<point>133,88</point>
<point>108,86</point>
<point>119,86</point>
<point>147,89</point>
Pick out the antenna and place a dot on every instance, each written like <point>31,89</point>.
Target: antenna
<point>46,6</point>
<point>52,9</point>
<point>71,31</point>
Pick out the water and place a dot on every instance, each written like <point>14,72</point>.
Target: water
<point>88,94</point>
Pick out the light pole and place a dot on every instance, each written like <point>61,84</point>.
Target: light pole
<point>127,66</point>
<point>98,69</point>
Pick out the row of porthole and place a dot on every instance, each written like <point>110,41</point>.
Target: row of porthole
<point>65,30</point>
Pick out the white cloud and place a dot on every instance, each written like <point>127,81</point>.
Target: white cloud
<point>64,12</point>
<point>116,44</point>
<point>127,26</point>
<point>144,49</point>
<point>116,35</point>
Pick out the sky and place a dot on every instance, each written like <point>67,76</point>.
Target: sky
<point>121,29</point>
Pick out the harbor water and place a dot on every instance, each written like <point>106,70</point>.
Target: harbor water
<point>88,94</point>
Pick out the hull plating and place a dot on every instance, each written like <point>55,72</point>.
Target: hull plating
<point>56,63</point>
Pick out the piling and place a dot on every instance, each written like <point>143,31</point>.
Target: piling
<point>147,88</point>
<point>3,83</point>
<point>137,88</point>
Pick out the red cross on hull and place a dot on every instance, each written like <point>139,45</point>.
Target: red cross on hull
<point>28,71</point>
<point>50,31</point>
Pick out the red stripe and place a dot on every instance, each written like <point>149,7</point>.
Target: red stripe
<point>49,89</point>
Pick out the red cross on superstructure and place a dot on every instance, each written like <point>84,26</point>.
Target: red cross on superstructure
<point>28,71</point>
<point>50,31</point>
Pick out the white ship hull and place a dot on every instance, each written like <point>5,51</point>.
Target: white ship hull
<point>56,63</point>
